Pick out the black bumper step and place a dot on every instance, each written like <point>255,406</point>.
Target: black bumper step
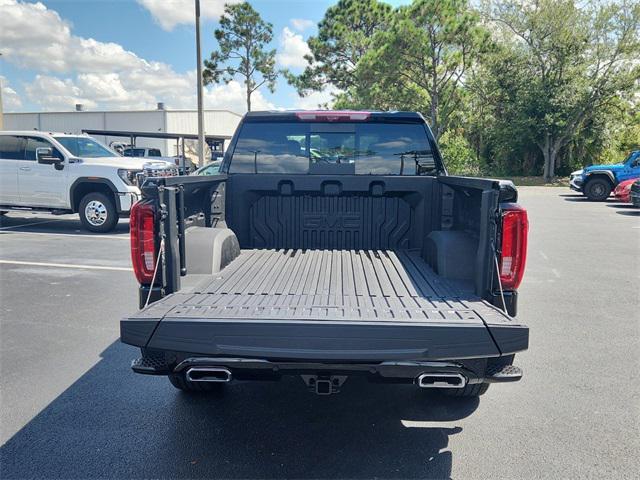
<point>503,373</point>
<point>151,365</point>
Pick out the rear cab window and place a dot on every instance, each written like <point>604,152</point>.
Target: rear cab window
<point>134,152</point>
<point>18,147</point>
<point>333,147</point>
<point>12,147</point>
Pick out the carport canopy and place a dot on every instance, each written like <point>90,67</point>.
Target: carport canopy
<point>215,142</point>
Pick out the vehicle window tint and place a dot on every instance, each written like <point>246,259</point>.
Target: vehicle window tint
<point>134,152</point>
<point>154,152</point>
<point>11,147</point>
<point>333,148</point>
<point>84,147</point>
<point>35,142</point>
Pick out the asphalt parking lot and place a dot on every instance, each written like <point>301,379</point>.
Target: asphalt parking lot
<point>71,407</point>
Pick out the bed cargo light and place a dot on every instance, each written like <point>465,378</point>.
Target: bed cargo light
<point>515,228</point>
<point>143,245</point>
<point>327,116</point>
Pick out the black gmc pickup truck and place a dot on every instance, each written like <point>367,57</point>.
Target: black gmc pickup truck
<point>331,244</point>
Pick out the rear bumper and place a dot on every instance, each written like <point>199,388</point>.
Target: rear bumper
<point>495,370</point>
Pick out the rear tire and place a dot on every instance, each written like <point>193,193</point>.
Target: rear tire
<point>598,189</point>
<point>98,213</point>
<point>470,390</point>
<point>179,381</point>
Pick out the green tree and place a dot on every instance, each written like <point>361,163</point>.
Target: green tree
<point>458,154</point>
<point>421,60</point>
<point>562,66</point>
<point>344,36</point>
<point>498,124</point>
<point>242,40</point>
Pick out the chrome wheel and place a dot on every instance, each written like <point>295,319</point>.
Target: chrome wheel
<point>96,213</point>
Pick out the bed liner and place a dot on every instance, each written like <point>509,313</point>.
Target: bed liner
<point>315,304</point>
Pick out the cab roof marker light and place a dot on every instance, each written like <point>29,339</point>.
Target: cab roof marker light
<point>332,116</point>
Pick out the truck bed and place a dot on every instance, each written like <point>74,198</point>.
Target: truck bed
<point>355,305</point>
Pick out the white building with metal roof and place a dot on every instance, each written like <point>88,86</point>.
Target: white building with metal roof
<point>161,120</point>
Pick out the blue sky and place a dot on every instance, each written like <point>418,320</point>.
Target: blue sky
<point>129,54</point>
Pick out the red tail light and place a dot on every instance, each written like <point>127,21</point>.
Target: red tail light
<point>515,227</point>
<point>143,242</point>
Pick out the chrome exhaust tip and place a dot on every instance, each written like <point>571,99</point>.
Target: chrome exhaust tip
<point>441,380</point>
<point>209,374</point>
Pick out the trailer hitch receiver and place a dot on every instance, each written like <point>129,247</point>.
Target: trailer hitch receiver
<point>324,384</point>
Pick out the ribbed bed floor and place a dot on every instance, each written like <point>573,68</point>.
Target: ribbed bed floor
<point>370,273</point>
<point>334,285</point>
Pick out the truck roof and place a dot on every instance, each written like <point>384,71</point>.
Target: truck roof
<point>41,132</point>
<point>333,115</point>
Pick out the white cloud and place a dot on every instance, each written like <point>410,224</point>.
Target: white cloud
<point>169,13</point>
<point>301,24</point>
<point>32,36</point>
<point>10,98</point>
<point>56,94</point>
<point>117,91</point>
<point>293,48</point>
<point>315,100</point>
<point>232,97</point>
<point>98,74</point>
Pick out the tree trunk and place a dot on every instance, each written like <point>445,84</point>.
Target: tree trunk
<point>434,119</point>
<point>549,154</point>
<point>435,99</point>
<point>545,173</point>
<point>553,154</point>
<point>248,85</point>
<point>247,76</point>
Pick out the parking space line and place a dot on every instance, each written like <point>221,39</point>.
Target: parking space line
<point>29,224</point>
<point>64,265</point>
<point>67,235</point>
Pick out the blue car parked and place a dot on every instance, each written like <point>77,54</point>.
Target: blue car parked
<point>598,181</point>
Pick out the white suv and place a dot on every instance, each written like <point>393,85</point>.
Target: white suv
<point>62,173</point>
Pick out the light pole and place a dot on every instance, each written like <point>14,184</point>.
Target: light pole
<point>1,110</point>
<point>199,73</point>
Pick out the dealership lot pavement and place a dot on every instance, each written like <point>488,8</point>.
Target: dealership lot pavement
<point>71,408</point>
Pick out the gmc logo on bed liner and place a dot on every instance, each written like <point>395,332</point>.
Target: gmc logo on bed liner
<point>330,221</point>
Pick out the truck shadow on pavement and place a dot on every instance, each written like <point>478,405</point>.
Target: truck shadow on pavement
<point>115,424</point>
